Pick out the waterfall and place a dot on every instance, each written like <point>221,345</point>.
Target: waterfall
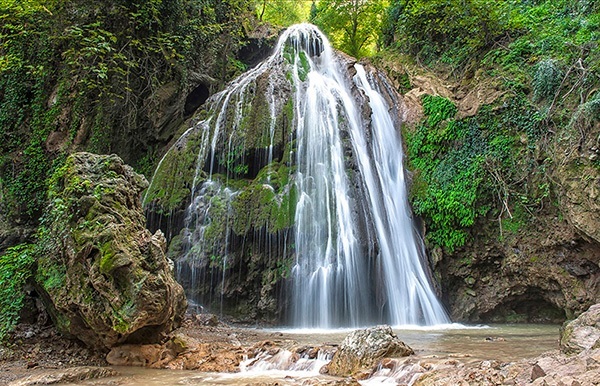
<point>355,258</point>
<point>334,281</point>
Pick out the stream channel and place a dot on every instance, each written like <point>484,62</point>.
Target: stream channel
<point>502,343</point>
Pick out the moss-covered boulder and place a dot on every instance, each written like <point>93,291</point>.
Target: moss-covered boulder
<point>104,277</point>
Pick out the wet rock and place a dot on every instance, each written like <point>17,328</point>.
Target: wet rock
<point>537,372</point>
<point>364,349</point>
<point>74,374</point>
<point>207,320</point>
<point>103,276</point>
<point>208,357</point>
<point>582,333</point>
<point>139,355</point>
<point>528,277</point>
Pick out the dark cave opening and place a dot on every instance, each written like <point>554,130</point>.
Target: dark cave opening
<point>195,99</point>
<point>529,307</point>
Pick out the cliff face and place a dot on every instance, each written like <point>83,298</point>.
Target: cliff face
<point>532,254</point>
<point>550,268</point>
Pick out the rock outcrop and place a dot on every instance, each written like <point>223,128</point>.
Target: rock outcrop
<point>545,273</point>
<point>362,350</point>
<point>582,333</point>
<point>70,375</point>
<point>103,276</point>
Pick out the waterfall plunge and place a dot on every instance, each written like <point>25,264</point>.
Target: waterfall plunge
<point>334,281</point>
<point>358,260</point>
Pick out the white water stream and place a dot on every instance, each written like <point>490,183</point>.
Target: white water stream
<point>336,280</point>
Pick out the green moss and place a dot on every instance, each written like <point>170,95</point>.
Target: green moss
<point>16,268</point>
<point>107,258</point>
<point>172,181</point>
<point>269,201</point>
<point>303,66</point>
<point>218,219</point>
<point>121,317</point>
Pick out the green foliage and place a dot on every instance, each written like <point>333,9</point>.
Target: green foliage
<point>463,166</point>
<point>281,12</point>
<point>586,114</point>
<point>437,109</point>
<point>88,75</point>
<point>543,55</point>
<point>16,268</point>
<point>352,26</point>
<point>546,80</point>
<point>431,29</point>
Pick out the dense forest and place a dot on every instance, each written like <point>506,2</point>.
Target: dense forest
<point>506,144</point>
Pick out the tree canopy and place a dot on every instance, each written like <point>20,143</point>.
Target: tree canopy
<point>281,12</point>
<point>353,26</point>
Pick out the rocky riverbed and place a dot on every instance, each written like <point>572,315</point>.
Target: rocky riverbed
<point>39,355</point>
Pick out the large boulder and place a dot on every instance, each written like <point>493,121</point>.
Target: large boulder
<point>582,333</point>
<point>103,276</point>
<point>363,350</point>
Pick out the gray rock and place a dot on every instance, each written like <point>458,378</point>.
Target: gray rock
<point>74,374</point>
<point>363,349</point>
<point>582,333</point>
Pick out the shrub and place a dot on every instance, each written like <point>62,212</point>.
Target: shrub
<point>15,269</point>
<point>429,29</point>
<point>546,80</point>
<point>586,114</point>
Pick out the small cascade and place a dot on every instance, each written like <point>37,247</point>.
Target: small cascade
<point>396,373</point>
<point>296,367</point>
<point>286,360</point>
<point>298,193</point>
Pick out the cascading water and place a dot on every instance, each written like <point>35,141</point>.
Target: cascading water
<point>356,258</point>
<point>335,280</point>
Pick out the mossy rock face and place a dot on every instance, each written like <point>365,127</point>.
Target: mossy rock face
<point>103,275</point>
<point>172,182</point>
<point>243,125</point>
<point>578,175</point>
<point>237,159</point>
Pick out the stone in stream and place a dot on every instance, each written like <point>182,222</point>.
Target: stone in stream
<point>363,350</point>
<point>71,375</point>
<point>582,333</point>
<point>102,275</point>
